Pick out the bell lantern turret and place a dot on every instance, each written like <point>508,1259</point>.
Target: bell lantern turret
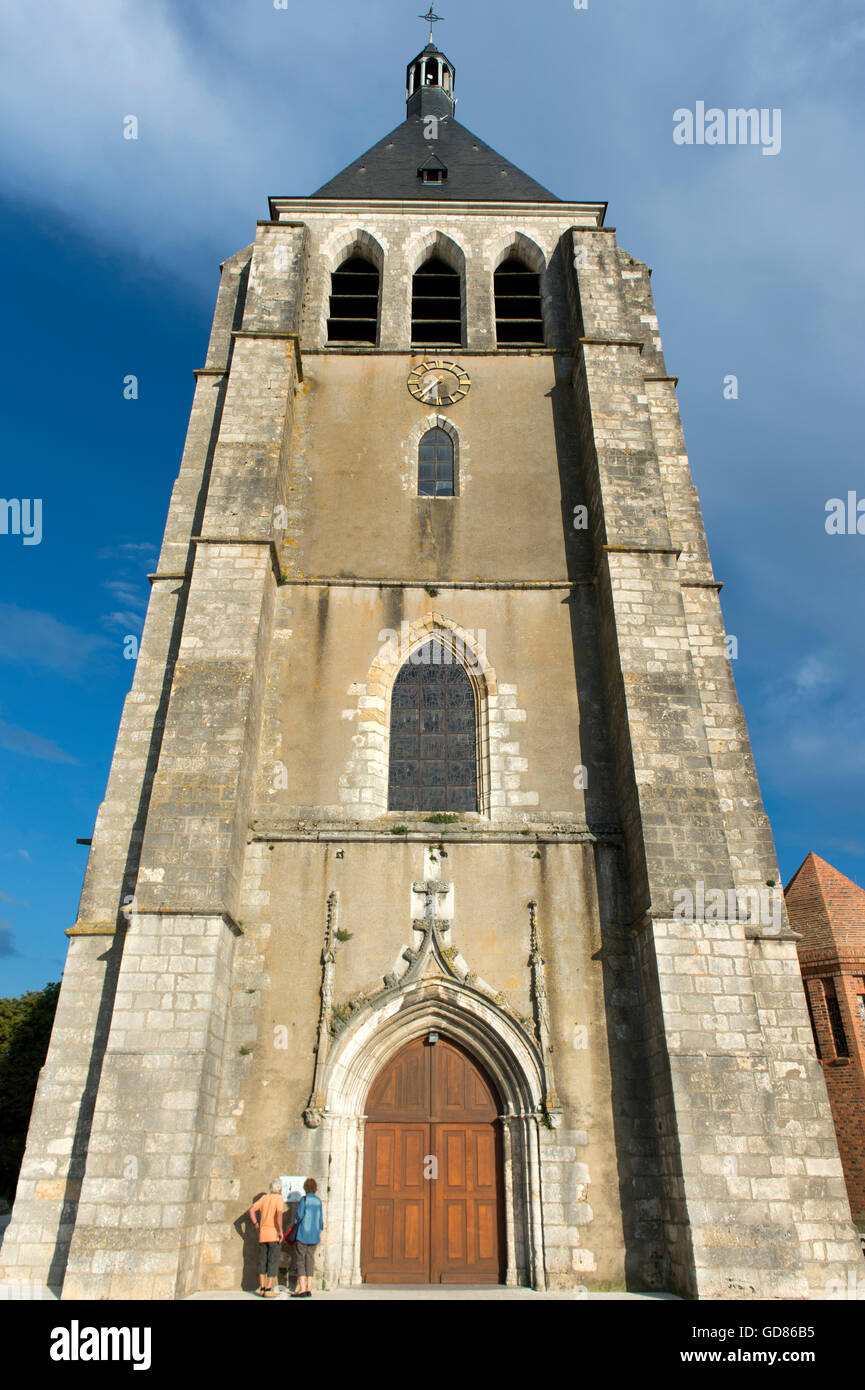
<point>430,84</point>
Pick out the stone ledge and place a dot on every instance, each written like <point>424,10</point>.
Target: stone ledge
<point>277,834</point>
<point>379,582</point>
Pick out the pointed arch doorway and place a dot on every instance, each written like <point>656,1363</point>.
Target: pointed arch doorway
<point>432,1173</point>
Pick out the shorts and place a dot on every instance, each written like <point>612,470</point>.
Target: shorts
<point>268,1257</point>
<point>304,1259</point>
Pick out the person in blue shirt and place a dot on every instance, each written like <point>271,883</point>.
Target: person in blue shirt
<point>310,1225</point>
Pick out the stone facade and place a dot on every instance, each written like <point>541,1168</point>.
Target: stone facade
<point>258,934</point>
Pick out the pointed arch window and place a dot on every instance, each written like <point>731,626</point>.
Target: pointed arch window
<point>519,317</point>
<point>436,304</point>
<point>435,467</point>
<point>433,734</point>
<point>353,314</point>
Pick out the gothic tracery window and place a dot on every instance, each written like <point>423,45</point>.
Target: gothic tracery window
<point>433,734</point>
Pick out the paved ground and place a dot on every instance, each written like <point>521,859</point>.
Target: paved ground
<point>441,1293</point>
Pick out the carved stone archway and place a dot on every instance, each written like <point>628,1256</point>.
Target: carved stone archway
<point>513,1062</point>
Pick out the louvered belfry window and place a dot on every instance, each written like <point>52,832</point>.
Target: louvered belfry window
<point>519,318</point>
<point>436,304</point>
<point>353,303</point>
<point>433,734</point>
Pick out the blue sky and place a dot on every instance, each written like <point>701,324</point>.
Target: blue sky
<point>111,250</point>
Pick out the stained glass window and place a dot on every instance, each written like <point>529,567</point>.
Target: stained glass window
<point>433,734</point>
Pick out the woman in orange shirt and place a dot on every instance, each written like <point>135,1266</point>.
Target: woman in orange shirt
<point>269,1208</point>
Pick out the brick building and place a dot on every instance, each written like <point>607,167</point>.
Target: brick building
<point>828,912</point>
<point>432,861</point>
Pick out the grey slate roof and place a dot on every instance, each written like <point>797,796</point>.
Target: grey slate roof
<point>475,170</point>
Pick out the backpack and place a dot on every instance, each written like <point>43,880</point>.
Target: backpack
<point>290,1237</point>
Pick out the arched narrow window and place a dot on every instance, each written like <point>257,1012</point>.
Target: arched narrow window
<point>433,734</point>
<point>435,465</point>
<point>519,318</point>
<point>353,303</point>
<point>436,304</point>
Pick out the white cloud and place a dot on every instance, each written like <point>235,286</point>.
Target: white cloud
<point>30,638</point>
<point>31,745</point>
<point>69,76</point>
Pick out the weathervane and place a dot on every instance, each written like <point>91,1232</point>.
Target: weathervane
<point>433,18</point>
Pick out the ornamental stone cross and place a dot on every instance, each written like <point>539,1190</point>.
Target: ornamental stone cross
<point>430,890</point>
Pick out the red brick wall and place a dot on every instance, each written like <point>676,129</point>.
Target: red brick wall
<point>828,911</point>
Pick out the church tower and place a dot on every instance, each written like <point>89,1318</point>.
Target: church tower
<point>432,862</point>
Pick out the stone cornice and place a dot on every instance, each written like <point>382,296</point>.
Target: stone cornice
<point>563,212</point>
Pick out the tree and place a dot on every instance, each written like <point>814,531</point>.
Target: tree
<point>25,1029</point>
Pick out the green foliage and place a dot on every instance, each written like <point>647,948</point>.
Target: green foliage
<point>342,935</point>
<point>25,1028</point>
<point>399,830</point>
<point>441,818</point>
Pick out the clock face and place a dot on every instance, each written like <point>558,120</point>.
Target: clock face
<point>439,383</point>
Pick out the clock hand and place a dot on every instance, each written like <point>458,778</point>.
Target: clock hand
<point>433,386</point>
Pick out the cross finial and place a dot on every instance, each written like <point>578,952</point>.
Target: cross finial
<point>431,18</point>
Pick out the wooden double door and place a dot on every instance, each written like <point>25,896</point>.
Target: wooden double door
<point>432,1188</point>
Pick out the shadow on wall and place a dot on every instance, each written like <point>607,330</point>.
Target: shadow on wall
<point>248,1233</point>
<point>635,1127</point>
